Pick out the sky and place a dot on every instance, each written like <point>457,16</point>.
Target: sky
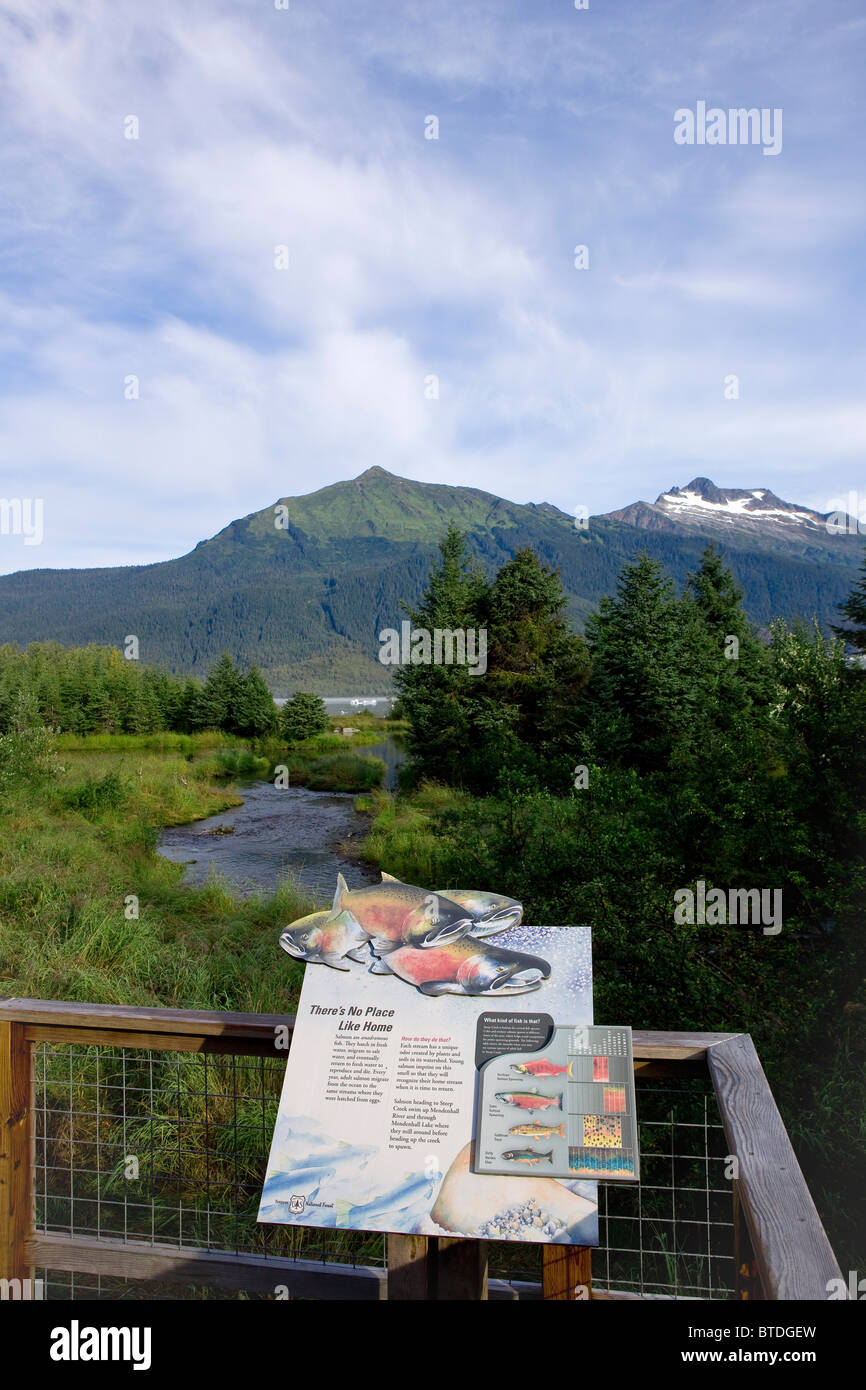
<point>232,261</point>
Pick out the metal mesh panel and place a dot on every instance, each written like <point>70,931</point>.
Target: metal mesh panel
<point>69,1286</point>
<point>170,1148</point>
<point>673,1233</point>
<point>166,1148</point>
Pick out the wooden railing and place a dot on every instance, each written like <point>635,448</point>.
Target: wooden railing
<point>777,1227</point>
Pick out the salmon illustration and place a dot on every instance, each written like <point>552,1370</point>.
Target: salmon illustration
<point>395,914</point>
<point>528,1156</point>
<point>467,966</point>
<point>326,940</point>
<point>490,912</point>
<point>536,1130</point>
<point>542,1067</point>
<point>530,1100</point>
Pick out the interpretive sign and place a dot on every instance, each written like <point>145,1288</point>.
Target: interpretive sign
<point>376,1123</point>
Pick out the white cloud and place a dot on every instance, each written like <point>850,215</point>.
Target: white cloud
<point>408,257</point>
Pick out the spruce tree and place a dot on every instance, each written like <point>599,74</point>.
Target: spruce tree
<point>537,668</point>
<point>438,699</point>
<point>640,695</point>
<point>729,661</point>
<point>302,716</point>
<point>219,697</point>
<point>854,609</point>
<point>255,712</point>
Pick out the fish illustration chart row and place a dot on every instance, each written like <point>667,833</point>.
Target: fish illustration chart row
<point>567,1111</point>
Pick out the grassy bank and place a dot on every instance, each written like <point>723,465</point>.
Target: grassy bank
<point>330,761</point>
<point>78,844</point>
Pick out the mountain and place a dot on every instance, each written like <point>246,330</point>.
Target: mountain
<point>307,600</point>
<point>733,515</point>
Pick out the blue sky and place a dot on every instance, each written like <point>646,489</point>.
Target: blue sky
<point>408,257</point>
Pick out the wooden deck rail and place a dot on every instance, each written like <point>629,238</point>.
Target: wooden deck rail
<point>776,1220</point>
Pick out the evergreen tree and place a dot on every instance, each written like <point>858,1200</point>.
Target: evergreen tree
<point>731,666</point>
<point>255,713</point>
<point>185,706</point>
<point>642,689</point>
<point>94,689</point>
<point>218,703</point>
<point>718,597</point>
<point>854,609</point>
<point>302,716</point>
<point>537,668</point>
<point>438,699</point>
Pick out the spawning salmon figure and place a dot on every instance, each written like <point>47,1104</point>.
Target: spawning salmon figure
<point>541,1067</point>
<point>467,966</point>
<point>490,912</point>
<point>536,1130</point>
<point>529,1100</point>
<point>395,914</point>
<point>528,1156</point>
<point>325,940</point>
<point>388,915</point>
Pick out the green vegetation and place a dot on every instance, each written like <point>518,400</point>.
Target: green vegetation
<point>592,778</point>
<point>337,772</point>
<point>78,831</point>
<point>90,912</point>
<point>95,690</point>
<point>464,727</point>
<point>237,702</point>
<point>689,752</point>
<point>101,702</point>
<point>306,603</point>
<point>324,762</point>
<point>854,609</point>
<point>303,715</point>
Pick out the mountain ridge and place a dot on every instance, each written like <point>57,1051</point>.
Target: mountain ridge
<point>703,506</point>
<point>304,591</point>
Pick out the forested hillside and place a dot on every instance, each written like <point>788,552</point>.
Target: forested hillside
<point>302,589</point>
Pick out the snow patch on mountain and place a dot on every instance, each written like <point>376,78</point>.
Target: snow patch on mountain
<point>703,505</point>
<point>736,504</point>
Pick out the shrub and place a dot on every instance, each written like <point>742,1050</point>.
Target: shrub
<point>97,795</point>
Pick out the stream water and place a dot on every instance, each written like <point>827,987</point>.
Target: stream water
<point>280,831</point>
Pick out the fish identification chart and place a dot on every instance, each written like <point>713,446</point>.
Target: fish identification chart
<point>566,1108</point>
<point>376,1124</point>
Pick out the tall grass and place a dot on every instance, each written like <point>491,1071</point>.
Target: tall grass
<point>338,772</point>
<point>324,762</point>
<point>78,859</point>
<point>405,837</point>
<point>145,743</point>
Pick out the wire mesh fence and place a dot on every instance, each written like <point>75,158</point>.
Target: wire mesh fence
<point>170,1149</point>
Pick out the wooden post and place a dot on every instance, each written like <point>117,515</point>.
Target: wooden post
<point>461,1270</point>
<point>430,1268</point>
<point>410,1268</point>
<point>16,1185</point>
<point>791,1249</point>
<point>567,1272</point>
<point>747,1282</point>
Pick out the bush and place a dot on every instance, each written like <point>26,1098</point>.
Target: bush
<point>340,772</point>
<point>27,757</point>
<point>237,762</point>
<point>303,716</point>
<point>97,795</point>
